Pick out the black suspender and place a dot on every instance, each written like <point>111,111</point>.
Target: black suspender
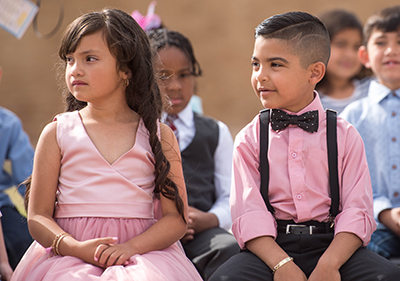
<point>264,164</point>
<point>331,138</point>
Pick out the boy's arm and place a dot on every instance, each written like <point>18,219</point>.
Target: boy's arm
<point>20,154</point>
<point>248,208</point>
<point>356,201</point>
<point>339,251</point>
<point>222,176</point>
<point>271,254</point>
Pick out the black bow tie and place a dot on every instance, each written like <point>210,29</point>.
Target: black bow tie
<point>307,121</point>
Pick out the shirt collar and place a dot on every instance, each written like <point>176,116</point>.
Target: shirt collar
<point>186,115</point>
<point>377,92</point>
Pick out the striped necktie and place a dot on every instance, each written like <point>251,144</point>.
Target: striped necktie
<point>170,122</point>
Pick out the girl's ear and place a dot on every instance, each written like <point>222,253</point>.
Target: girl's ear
<point>317,72</point>
<point>363,56</point>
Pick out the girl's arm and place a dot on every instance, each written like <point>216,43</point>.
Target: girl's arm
<point>169,229</point>
<point>41,224</point>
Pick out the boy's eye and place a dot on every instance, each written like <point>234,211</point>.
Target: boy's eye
<point>255,64</point>
<point>274,64</point>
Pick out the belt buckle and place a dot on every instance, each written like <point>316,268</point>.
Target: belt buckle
<point>289,226</point>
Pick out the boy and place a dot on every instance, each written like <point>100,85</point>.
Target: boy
<point>377,118</point>
<point>298,241</point>
<point>206,150</point>
<point>16,150</point>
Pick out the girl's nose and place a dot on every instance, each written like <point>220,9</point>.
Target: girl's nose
<point>75,69</point>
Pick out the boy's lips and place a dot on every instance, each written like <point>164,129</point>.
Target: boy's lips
<point>391,62</point>
<point>175,100</point>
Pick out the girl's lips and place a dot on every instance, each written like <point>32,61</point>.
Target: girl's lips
<point>78,83</point>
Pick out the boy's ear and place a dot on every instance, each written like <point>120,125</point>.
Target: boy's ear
<point>317,72</point>
<point>363,56</point>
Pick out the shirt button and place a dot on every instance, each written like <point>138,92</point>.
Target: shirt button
<point>394,139</point>
<point>299,196</point>
<point>394,167</point>
<point>393,113</point>
<point>294,154</point>
<point>396,194</point>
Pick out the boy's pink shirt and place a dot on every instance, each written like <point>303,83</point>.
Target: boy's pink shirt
<point>299,185</point>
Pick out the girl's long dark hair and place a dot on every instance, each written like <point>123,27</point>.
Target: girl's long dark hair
<point>129,44</point>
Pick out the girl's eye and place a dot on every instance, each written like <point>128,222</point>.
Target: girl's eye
<point>255,64</point>
<point>91,59</point>
<point>380,43</point>
<point>69,60</point>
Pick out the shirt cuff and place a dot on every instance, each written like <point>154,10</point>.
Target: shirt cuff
<point>381,203</point>
<point>356,221</point>
<point>252,225</point>
<point>224,218</point>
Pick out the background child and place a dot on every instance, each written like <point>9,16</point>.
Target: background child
<point>5,268</point>
<point>103,162</point>
<point>206,149</point>
<point>346,78</point>
<point>377,118</point>
<point>295,241</point>
<point>16,157</point>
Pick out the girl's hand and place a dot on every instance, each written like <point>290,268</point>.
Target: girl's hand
<point>85,250</point>
<point>113,254</point>
<point>5,271</point>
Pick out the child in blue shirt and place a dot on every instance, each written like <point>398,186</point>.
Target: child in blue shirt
<point>16,150</point>
<point>377,118</point>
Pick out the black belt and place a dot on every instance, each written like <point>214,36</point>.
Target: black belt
<point>309,227</point>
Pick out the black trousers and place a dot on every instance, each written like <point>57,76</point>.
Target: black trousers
<point>211,248</point>
<point>306,250</point>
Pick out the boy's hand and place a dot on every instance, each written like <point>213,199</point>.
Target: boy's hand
<point>290,271</point>
<point>391,219</point>
<point>5,271</point>
<point>326,274</point>
<point>198,221</point>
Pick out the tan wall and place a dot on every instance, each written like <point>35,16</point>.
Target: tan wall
<point>220,30</point>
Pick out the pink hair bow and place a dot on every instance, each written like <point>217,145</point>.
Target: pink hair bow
<point>150,20</point>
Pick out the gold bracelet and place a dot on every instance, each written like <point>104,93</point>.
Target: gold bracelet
<point>59,240</point>
<point>281,263</point>
<point>53,246</point>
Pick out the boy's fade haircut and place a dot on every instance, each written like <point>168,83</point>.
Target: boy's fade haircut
<point>385,20</point>
<point>304,33</point>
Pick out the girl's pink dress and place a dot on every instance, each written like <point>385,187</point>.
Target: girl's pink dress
<point>98,199</point>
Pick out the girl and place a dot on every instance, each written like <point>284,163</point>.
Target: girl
<point>99,166</point>
<point>346,78</point>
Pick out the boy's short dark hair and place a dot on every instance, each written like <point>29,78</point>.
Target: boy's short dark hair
<point>385,20</point>
<point>305,33</point>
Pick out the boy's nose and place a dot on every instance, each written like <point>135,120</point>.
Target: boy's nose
<point>261,76</point>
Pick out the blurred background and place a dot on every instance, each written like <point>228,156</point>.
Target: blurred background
<point>221,31</point>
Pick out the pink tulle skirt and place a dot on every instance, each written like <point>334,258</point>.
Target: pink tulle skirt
<point>168,264</point>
